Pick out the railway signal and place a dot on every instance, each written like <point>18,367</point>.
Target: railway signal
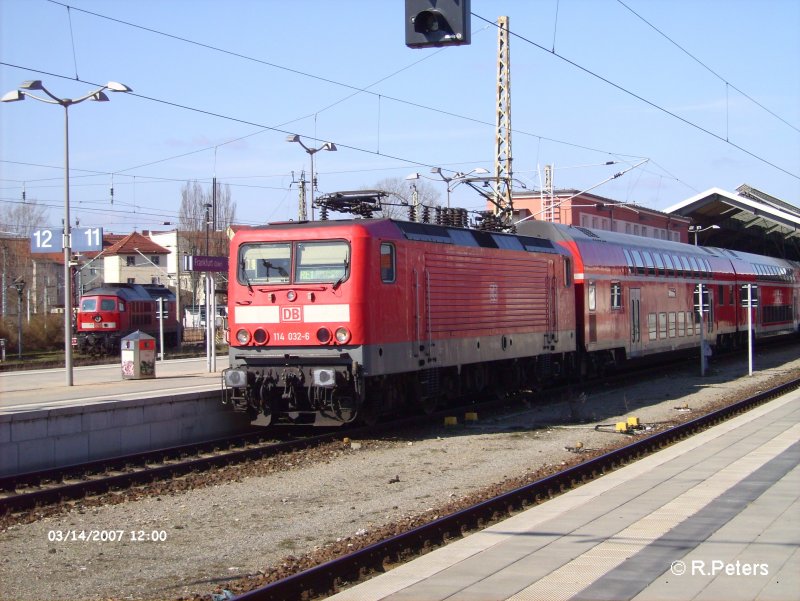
<point>437,23</point>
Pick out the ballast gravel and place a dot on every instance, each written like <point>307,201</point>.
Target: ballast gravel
<point>190,544</point>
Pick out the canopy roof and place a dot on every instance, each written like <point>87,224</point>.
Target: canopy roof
<point>749,220</point>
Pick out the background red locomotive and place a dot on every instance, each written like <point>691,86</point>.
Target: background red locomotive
<point>112,311</point>
<point>334,320</point>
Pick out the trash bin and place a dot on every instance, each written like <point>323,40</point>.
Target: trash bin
<point>138,356</point>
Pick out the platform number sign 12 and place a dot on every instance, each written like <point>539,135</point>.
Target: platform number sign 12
<point>50,240</point>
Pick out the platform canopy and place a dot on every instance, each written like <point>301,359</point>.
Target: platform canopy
<point>748,220</point>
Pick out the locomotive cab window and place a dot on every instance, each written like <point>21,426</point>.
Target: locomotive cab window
<point>327,261</point>
<point>107,304</point>
<point>89,304</point>
<point>387,263</point>
<point>265,263</point>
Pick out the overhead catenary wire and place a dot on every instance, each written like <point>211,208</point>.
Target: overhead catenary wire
<point>356,90</point>
<point>641,98</point>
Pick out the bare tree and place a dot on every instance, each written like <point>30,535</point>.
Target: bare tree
<point>401,194</point>
<point>17,222</point>
<point>21,218</point>
<point>196,204</point>
<point>204,235</point>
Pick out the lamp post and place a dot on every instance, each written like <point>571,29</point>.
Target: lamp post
<point>696,229</point>
<point>19,285</point>
<point>97,95</point>
<point>330,146</point>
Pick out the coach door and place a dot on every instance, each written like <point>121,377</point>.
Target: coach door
<point>635,322</point>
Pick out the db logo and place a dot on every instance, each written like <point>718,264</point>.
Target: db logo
<point>291,314</point>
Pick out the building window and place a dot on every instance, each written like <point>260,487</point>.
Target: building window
<point>155,280</point>
<point>155,260</point>
<point>131,280</point>
<point>130,261</point>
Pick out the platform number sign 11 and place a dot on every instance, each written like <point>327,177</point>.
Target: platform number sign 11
<point>50,240</point>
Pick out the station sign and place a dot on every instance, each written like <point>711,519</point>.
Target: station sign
<point>51,240</point>
<point>205,263</point>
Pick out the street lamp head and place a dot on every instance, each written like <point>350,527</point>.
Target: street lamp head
<point>115,86</point>
<point>99,97</point>
<point>436,170</point>
<point>329,146</point>
<point>292,138</point>
<point>13,96</point>
<point>33,84</point>
<point>480,170</point>
<point>413,176</point>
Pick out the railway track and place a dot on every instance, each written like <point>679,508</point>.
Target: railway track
<point>47,487</point>
<point>53,486</point>
<point>327,578</point>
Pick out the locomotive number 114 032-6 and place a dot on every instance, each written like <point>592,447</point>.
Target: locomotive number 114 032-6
<point>291,336</point>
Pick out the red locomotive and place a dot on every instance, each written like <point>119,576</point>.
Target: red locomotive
<point>112,311</point>
<point>337,320</point>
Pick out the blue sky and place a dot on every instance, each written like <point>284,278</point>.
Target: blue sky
<point>218,85</point>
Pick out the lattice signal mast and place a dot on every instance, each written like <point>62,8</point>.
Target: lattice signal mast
<point>502,161</point>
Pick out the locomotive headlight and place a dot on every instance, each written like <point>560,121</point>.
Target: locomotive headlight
<point>323,335</point>
<point>242,336</point>
<point>260,336</point>
<point>291,295</point>
<point>342,335</point>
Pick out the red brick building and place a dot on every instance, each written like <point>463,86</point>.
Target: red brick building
<point>572,207</point>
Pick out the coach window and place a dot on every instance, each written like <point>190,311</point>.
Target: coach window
<point>662,325</point>
<point>592,297</point>
<point>668,264</point>
<point>387,263</point>
<point>659,263</point>
<point>567,273</point>
<point>122,306</point>
<point>648,261</point>
<point>616,295</point>
<point>651,326</point>
<point>687,270</point>
<point>637,258</point>
<point>628,260</point>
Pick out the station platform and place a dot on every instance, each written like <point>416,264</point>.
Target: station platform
<point>715,517</point>
<point>46,424</point>
<point>35,390</point>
